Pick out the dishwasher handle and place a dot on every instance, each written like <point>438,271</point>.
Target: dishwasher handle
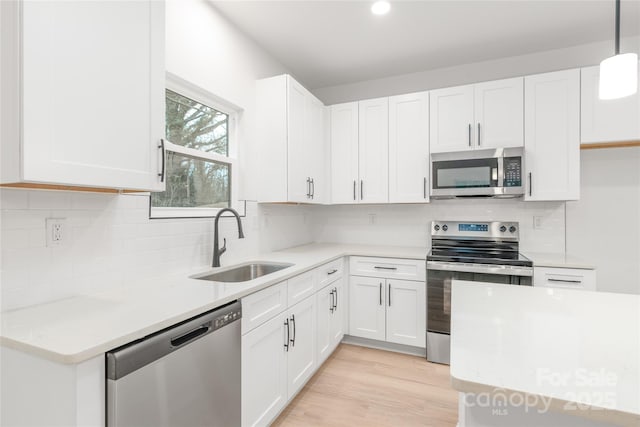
<point>181,340</point>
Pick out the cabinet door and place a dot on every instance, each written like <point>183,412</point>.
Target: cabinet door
<point>552,135</point>
<point>451,123</point>
<point>373,150</point>
<point>264,372</point>
<point>316,149</point>
<point>367,307</point>
<point>499,113</point>
<point>297,143</point>
<point>406,312</point>
<point>325,299</point>
<point>301,361</point>
<point>409,148</point>
<point>344,152</point>
<point>93,112</point>
<point>338,315</point>
<point>608,120</point>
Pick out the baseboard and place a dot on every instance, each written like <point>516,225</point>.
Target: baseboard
<point>383,345</point>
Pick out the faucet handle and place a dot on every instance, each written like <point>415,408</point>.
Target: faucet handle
<point>224,246</point>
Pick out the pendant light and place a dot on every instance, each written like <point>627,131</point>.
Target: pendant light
<point>618,73</point>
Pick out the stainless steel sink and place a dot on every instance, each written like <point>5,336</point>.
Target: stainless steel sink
<point>244,272</point>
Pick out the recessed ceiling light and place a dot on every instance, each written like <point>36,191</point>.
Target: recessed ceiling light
<point>380,7</point>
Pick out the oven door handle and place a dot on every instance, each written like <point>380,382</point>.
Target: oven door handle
<point>480,268</point>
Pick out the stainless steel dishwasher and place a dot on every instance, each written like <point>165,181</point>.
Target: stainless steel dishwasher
<point>187,375</point>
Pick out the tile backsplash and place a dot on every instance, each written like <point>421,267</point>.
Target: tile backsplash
<point>110,242</point>
<point>408,225</point>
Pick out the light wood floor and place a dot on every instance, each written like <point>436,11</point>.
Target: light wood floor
<point>360,386</point>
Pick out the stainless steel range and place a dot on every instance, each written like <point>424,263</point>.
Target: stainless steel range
<point>473,251</point>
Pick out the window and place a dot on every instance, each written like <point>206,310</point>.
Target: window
<point>200,173</point>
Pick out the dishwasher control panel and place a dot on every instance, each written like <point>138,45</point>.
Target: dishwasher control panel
<point>226,317</point>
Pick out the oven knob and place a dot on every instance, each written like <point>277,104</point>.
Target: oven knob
<point>436,227</point>
<point>503,228</point>
<point>512,229</point>
<point>445,227</point>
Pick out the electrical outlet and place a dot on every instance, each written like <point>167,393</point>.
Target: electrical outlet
<point>372,218</point>
<point>537,222</point>
<point>56,231</point>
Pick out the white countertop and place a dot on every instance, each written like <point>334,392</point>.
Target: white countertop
<point>569,345</point>
<point>558,260</point>
<point>76,329</point>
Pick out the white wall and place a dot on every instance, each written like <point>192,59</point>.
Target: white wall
<point>408,225</point>
<point>604,225</point>
<point>558,59</point>
<point>205,49</point>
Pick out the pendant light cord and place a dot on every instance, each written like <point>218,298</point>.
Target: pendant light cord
<point>617,27</point>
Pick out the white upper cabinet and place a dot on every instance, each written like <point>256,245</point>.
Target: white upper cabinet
<point>409,148</point>
<point>451,119</point>
<point>83,93</point>
<point>552,136</point>
<point>484,115</point>
<point>290,127</point>
<point>499,113</point>
<point>612,120</point>
<point>373,150</point>
<point>344,153</point>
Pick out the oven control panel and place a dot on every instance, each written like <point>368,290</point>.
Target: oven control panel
<point>475,229</point>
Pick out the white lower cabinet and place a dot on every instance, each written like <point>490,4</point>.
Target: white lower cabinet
<point>567,278</point>
<point>264,372</point>
<point>406,312</point>
<point>301,351</point>
<point>388,310</point>
<point>330,319</point>
<point>283,340</point>
<point>367,307</point>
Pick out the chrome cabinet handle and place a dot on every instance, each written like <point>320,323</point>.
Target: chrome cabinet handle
<point>164,154</point>
<point>335,293</point>
<point>329,273</point>
<point>361,189</point>
<point>293,322</point>
<point>354,189</point>
<point>564,281</point>
<point>389,295</point>
<point>530,185</point>
<point>385,268</point>
<point>313,188</point>
<point>332,303</point>
<point>380,293</point>
<point>424,188</point>
<point>286,342</point>
<point>308,187</point>
<point>478,134</point>
<point>469,134</point>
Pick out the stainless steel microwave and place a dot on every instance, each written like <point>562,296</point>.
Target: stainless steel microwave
<point>478,173</point>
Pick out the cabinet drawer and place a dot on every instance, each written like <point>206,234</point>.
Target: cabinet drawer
<point>263,305</point>
<point>569,278</point>
<point>330,272</point>
<point>300,287</point>
<point>393,268</point>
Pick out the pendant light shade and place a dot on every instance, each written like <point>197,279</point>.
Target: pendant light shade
<point>618,73</point>
<point>619,76</point>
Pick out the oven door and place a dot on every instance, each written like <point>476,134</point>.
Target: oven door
<point>441,274</point>
<point>466,177</point>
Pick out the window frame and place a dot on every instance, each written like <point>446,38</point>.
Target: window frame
<point>198,94</point>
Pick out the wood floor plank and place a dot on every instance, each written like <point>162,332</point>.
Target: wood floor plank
<point>360,386</point>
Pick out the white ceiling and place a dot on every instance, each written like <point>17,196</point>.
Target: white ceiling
<point>327,43</point>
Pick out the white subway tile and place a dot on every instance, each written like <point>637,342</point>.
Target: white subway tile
<point>13,199</point>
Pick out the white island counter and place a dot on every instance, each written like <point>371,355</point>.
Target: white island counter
<point>540,356</point>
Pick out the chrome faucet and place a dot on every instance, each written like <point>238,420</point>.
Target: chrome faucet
<point>219,251</point>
